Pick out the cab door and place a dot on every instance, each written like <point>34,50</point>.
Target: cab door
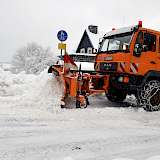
<point>144,54</point>
<point>158,54</point>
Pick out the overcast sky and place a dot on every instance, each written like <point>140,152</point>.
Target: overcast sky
<point>24,21</point>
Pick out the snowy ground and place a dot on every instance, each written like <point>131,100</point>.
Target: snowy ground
<point>33,127</point>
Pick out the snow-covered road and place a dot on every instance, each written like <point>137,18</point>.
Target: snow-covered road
<point>33,127</point>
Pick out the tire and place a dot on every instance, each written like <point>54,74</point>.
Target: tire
<point>116,96</point>
<point>148,96</point>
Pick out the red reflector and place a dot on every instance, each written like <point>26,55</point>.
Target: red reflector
<point>113,29</point>
<point>140,24</point>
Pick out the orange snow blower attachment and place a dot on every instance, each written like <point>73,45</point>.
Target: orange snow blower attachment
<point>72,81</point>
<point>78,85</point>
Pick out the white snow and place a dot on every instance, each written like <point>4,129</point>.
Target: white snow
<point>39,92</point>
<point>5,66</point>
<point>154,158</point>
<point>119,31</point>
<point>33,127</point>
<point>123,159</point>
<point>85,66</point>
<point>95,38</point>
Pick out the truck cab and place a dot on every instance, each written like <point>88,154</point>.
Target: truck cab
<point>130,56</point>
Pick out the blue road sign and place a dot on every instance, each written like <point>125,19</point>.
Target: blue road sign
<point>62,35</point>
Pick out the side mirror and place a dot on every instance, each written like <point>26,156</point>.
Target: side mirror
<point>138,50</point>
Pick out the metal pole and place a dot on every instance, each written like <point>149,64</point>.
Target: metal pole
<point>61,51</point>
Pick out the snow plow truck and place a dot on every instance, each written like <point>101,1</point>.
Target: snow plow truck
<point>127,62</point>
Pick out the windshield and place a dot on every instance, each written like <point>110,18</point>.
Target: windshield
<point>120,42</point>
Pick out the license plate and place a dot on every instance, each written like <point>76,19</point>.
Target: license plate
<point>108,67</point>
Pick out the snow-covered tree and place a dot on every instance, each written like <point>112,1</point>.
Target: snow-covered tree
<point>32,58</point>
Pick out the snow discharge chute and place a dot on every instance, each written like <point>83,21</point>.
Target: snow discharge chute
<point>69,64</point>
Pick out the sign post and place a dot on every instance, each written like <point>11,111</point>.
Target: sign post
<point>62,36</point>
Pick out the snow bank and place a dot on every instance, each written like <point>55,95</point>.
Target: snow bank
<point>11,84</point>
<point>42,92</point>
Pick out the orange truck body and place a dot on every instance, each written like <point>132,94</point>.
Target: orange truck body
<point>148,60</point>
<point>130,66</point>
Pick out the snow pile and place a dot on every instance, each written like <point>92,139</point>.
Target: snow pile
<point>42,92</point>
<point>10,84</point>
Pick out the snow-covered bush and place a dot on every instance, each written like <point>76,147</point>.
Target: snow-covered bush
<point>32,59</point>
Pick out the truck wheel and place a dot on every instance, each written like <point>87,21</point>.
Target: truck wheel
<point>116,96</point>
<point>148,96</point>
